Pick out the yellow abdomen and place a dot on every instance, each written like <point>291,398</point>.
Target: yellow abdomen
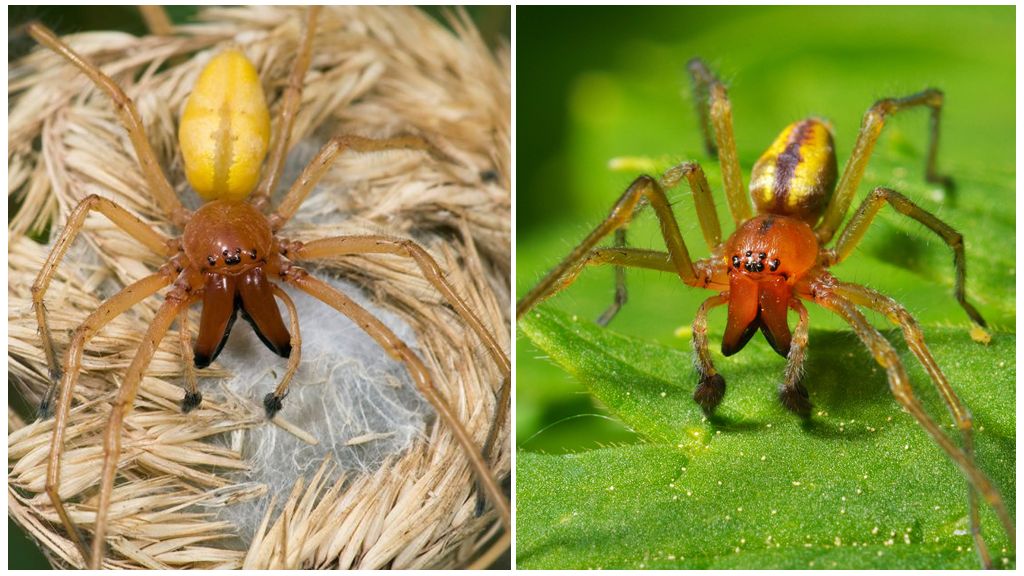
<point>797,174</point>
<point>225,129</point>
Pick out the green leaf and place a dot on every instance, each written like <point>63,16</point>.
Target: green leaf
<point>860,486</point>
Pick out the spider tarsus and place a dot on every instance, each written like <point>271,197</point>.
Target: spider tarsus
<point>45,411</point>
<point>709,392</point>
<point>272,403</point>
<point>191,401</point>
<point>796,400</point>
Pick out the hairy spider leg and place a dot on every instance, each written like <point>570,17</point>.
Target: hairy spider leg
<point>157,21</point>
<point>401,352</point>
<point>711,386</point>
<point>107,311</point>
<point>291,101</point>
<point>715,111</point>
<point>870,129</point>
<point>432,272</point>
<point>272,401</point>
<point>865,215</point>
<point>125,220</point>
<point>792,394</point>
<point>914,338</point>
<point>706,215</point>
<point>643,188</point>
<point>325,158</point>
<point>899,384</point>
<point>157,182</point>
<point>621,292</point>
<point>175,302</point>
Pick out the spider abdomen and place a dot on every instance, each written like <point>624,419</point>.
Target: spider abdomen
<point>797,174</point>
<point>225,129</point>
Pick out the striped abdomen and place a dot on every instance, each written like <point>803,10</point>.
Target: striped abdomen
<point>797,174</point>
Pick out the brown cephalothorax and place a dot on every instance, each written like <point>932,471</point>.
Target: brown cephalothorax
<point>778,257</point>
<point>230,259</point>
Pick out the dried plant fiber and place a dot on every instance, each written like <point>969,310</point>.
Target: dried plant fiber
<point>361,474</point>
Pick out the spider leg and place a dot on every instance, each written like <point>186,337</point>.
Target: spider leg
<point>865,215</point>
<point>161,323</point>
<point>106,312</point>
<point>711,387</point>
<point>706,215</point>
<point>791,392</point>
<point>870,129</point>
<point>644,187</point>
<point>291,101</point>
<point>398,350</point>
<point>621,293</point>
<point>914,338</point>
<point>272,401</point>
<point>715,111</point>
<point>319,166</point>
<point>157,182</point>
<point>157,21</point>
<point>128,222</point>
<point>432,272</point>
<point>899,384</point>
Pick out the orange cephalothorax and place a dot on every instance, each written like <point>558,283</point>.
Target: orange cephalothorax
<point>230,243</point>
<point>765,256</point>
<point>796,175</point>
<point>227,238</point>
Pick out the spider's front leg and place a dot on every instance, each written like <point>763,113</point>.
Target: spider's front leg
<point>914,338</point>
<point>865,215</point>
<point>899,384</point>
<point>432,272</point>
<point>125,220</point>
<point>401,352</point>
<point>175,302</point>
<point>622,213</point>
<point>706,215</point>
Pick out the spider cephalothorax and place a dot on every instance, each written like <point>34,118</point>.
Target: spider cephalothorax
<point>767,255</point>
<point>778,257</point>
<point>233,250</point>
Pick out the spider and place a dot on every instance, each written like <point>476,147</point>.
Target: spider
<point>780,256</point>
<point>230,257</point>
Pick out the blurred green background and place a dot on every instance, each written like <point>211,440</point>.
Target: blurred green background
<point>494,23</point>
<point>597,83</point>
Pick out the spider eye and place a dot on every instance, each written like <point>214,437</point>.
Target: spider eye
<point>762,256</point>
<point>735,261</point>
<point>774,265</point>
<point>211,260</point>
